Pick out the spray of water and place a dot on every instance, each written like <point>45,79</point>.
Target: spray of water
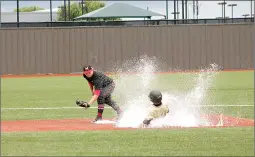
<point>132,91</point>
<point>186,108</point>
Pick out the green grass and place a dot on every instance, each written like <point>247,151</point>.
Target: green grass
<point>182,142</point>
<point>228,88</point>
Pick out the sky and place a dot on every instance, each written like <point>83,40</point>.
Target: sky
<point>207,9</point>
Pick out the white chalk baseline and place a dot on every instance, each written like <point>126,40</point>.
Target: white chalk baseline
<point>95,107</point>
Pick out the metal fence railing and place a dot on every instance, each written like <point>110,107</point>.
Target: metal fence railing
<point>126,23</point>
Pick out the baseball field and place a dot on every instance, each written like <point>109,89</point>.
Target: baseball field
<point>39,118</point>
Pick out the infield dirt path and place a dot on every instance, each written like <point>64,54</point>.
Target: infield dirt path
<point>86,124</point>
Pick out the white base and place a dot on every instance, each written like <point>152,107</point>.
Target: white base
<point>105,122</point>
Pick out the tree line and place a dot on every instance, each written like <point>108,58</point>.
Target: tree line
<point>75,10</point>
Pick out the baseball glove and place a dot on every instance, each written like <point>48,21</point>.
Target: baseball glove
<point>147,122</point>
<point>82,104</point>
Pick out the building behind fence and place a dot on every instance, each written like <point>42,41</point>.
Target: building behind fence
<point>65,50</point>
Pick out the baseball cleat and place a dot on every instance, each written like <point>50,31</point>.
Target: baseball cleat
<point>98,118</point>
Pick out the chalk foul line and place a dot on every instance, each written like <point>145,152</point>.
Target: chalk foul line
<point>95,107</point>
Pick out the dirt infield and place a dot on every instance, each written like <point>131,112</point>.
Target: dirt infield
<point>86,124</point>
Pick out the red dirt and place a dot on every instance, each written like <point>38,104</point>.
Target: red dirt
<point>86,124</point>
<point>53,125</point>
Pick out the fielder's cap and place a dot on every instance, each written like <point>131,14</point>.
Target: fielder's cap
<point>87,68</point>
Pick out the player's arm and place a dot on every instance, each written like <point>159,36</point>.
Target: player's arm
<point>93,99</point>
<point>149,118</point>
<point>96,93</point>
<point>91,87</point>
<point>95,96</point>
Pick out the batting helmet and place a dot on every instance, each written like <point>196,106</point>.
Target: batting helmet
<point>155,96</point>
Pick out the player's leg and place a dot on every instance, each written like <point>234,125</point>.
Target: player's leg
<point>100,108</point>
<point>113,104</point>
<point>106,93</point>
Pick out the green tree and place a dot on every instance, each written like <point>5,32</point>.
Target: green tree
<point>76,10</point>
<point>28,9</point>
